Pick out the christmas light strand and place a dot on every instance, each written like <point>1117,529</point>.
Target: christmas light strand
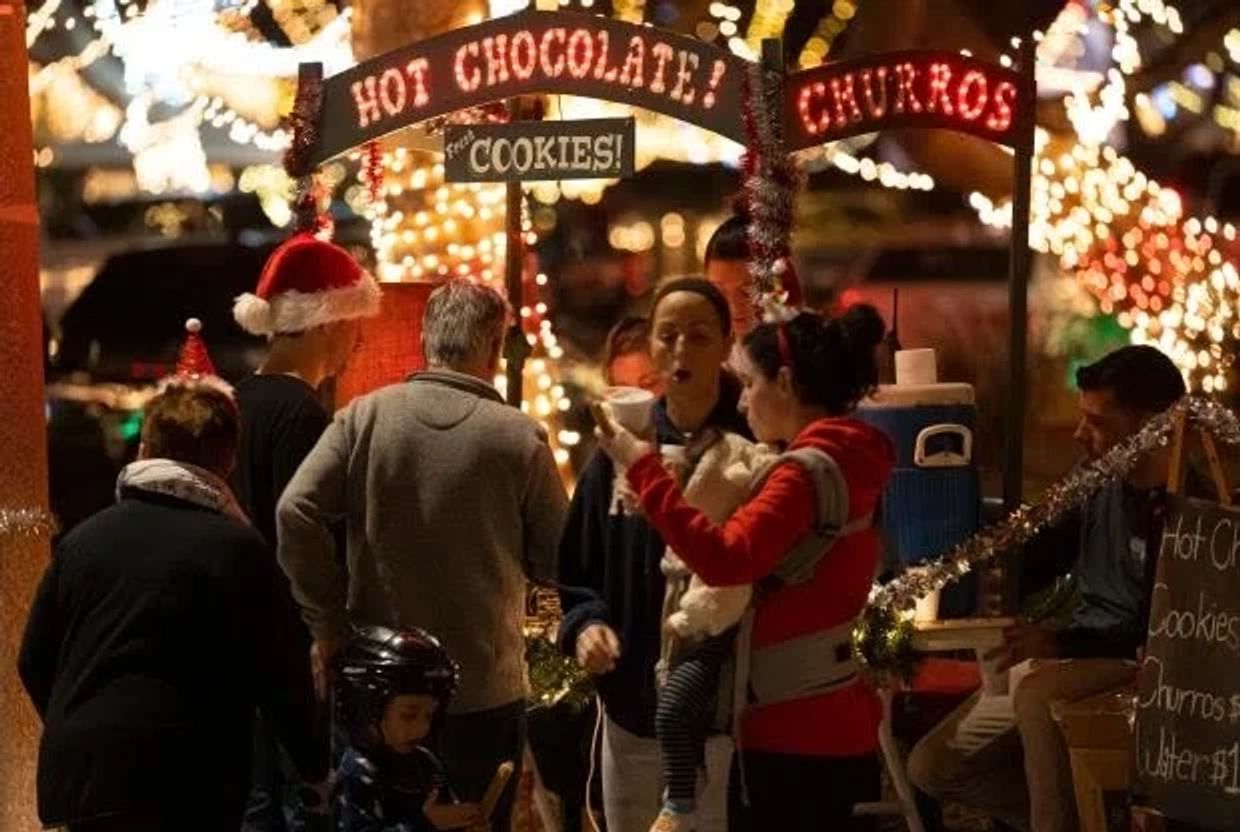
<point>26,522</point>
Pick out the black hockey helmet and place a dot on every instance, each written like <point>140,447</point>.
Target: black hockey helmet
<point>379,663</point>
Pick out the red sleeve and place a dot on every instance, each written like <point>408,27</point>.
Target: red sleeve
<point>750,544</point>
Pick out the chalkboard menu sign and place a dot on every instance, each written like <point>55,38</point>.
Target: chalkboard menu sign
<point>1188,703</point>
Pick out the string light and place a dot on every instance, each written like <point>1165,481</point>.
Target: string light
<point>630,11</point>
<point>769,17</point>
<point>839,155</point>
<point>1201,330</point>
<point>830,27</point>
<point>41,20</point>
<point>1171,281</point>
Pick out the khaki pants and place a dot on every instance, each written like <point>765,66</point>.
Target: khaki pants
<point>633,782</point>
<point>1022,777</point>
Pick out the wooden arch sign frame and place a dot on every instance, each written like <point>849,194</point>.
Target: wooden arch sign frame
<point>540,53</point>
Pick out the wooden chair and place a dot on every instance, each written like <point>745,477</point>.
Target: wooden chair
<point>1098,730</point>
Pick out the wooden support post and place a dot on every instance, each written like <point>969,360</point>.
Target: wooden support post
<point>516,347</point>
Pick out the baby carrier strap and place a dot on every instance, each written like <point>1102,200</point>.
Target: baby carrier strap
<point>818,662</point>
<point>830,514</point>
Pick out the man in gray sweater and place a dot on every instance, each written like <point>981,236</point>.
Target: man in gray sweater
<point>451,501</point>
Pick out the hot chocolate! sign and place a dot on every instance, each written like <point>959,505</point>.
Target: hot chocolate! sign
<point>530,53</point>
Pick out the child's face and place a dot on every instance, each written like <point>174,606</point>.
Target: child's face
<point>407,721</point>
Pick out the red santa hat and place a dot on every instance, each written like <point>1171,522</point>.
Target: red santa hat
<point>307,282</point>
<point>194,367</point>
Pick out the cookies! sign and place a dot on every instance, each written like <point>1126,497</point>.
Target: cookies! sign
<point>528,151</point>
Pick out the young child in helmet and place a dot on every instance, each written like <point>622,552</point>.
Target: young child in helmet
<point>391,685</point>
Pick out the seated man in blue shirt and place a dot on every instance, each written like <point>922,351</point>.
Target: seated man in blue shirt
<point>1113,543</point>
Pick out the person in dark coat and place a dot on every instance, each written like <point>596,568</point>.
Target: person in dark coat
<point>310,301</point>
<point>152,639</point>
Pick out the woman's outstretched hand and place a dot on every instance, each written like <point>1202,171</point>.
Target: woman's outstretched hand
<point>622,446</point>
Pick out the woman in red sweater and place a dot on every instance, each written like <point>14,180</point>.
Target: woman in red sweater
<point>808,731</point>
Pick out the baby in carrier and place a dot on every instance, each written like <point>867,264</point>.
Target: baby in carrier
<point>702,622</point>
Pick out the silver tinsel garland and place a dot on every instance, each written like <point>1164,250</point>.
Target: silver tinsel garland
<point>29,522</point>
<point>772,180</point>
<point>1067,494</point>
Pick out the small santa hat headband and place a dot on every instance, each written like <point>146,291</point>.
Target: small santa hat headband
<point>194,367</point>
<point>307,282</point>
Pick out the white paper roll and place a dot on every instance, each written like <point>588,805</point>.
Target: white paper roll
<point>916,367</point>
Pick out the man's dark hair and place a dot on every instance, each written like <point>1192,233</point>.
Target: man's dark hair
<point>730,240</point>
<point>1139,377</point>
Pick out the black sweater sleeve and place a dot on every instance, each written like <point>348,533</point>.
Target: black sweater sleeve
<point>583,547</point>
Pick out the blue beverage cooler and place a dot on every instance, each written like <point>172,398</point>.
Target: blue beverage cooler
<point>933,500</point>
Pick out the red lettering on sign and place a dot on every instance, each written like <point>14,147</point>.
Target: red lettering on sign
<point>496,51</point>
<point>716,75</point>
<point>940,77</point>
<point>392,91</point>
<point>682,92</point>
<point>467,78</point>
<point>552,68</point>
<point>631,74</point>
<point>842,92</point>
<point>972,95</point>
<point>812,107</point>
<point>1000,117</point>
<point>601,72</point>
<point>580,53</point>
<point>662,53</point>
<point>524,55</point>
<point>366,97</point>
<point>906,98</point>
<point>877,108</point>
<point>941,91</point>
<point>417,70</point>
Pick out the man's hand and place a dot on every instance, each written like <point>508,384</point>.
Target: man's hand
<point>321,654</point>
<point>598,648</point>
<point>1024,641</point>
<point>451,815</point>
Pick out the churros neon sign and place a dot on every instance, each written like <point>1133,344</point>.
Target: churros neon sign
<point>901,89</point>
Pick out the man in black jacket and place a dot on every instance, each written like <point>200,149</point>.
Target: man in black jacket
<point>308,304</point>
<point>612,586</point>
<point>154,635</point>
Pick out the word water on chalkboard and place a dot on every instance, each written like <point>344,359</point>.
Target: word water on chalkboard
<point>1188,704</point>
<point>527,151</point>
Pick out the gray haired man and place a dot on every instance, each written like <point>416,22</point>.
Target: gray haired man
<point>451,501</point>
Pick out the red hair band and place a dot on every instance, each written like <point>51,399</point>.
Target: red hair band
<point>785,352</point>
